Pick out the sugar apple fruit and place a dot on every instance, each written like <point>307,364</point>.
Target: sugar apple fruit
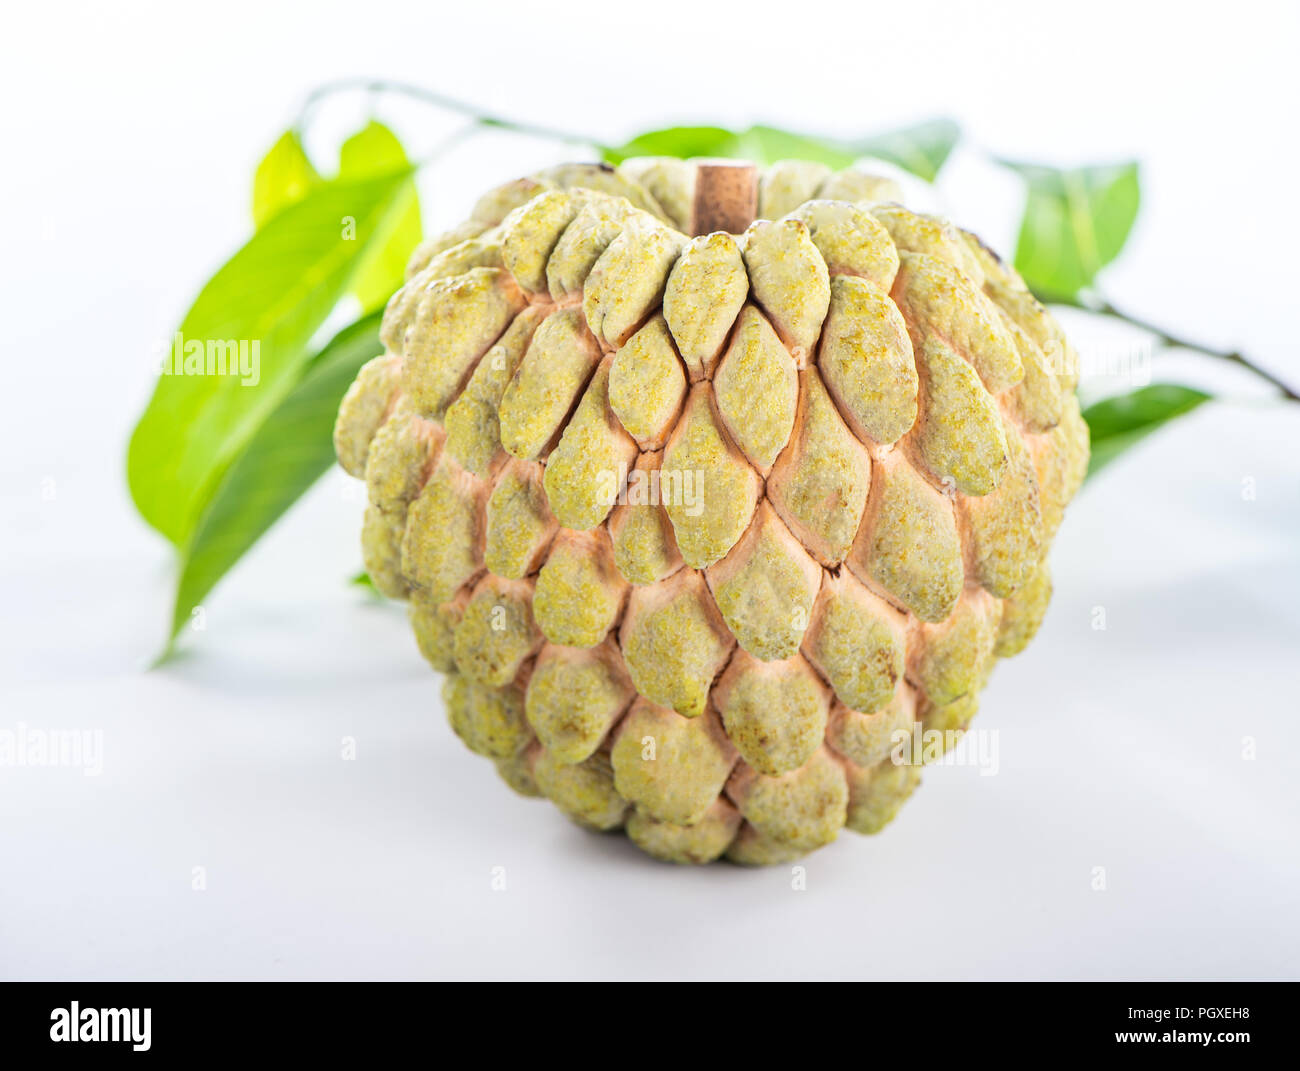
<point>705,488</point>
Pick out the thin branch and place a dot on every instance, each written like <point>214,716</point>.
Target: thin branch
<point>438,100</point>
<point>1105,308</point>
<point>480,118</point>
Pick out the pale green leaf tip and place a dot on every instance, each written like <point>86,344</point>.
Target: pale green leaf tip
<point>1118,423</point>
<point>283,176</point>
<point>363,582</point>
<point>164,656</point>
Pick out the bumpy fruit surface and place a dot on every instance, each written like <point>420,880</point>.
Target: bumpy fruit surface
<point>700,528</point>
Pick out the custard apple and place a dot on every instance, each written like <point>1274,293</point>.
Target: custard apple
<point>705,486</point>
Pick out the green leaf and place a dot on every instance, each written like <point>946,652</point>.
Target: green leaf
<point>1075,223</point>
<point>682,141</point>
<point>275,293</point>
<point>287,454</point>
<point>768,144</point>
<point>362,580</point>
<point>284,175</point>
<point>920,149</point>
<point>372,150</point>
<point>1122,421</point>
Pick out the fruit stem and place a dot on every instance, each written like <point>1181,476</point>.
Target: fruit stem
<point>438,100</point>
<point>726,197</point>
<point>480,118</point>
<point>1105,308</point>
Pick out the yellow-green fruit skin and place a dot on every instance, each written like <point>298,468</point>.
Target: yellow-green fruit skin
<point>707,532</point>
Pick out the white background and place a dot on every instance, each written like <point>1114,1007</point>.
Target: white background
<point>130,132</point>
